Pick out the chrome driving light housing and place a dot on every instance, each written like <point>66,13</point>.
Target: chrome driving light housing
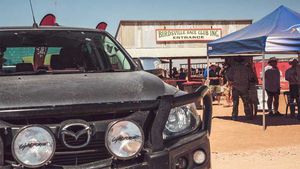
<point>181,120</point>
<point>124,139</point>
<point>33,146</point>
<point>199,157</point>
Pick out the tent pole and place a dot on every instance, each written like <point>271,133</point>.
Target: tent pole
<point>264,91</point>
<point>170,68</point>
<point>189,69</point>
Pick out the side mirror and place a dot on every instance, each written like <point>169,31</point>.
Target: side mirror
<point>151,65</point>
<point>157,72</point>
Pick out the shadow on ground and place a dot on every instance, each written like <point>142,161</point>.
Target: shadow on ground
<point>270,120</point>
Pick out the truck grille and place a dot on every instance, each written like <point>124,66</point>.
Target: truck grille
<point>94,151</point>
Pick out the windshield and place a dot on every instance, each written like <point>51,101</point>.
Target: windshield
<point>59,51</point>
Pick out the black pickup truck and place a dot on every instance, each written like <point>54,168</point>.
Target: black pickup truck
<point>74,98</point>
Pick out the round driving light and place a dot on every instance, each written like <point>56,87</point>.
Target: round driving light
<point>181,163</point>
<point>33,146</point>
<point>199,157</point>
<point>124,139</point>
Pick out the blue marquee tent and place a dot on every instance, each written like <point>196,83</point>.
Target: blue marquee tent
<point>278,32</point>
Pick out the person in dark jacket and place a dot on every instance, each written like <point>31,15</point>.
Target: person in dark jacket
<point>174,73</point>
<point>239,75</point>
<point>291,77</point>
<point>272,84</point>
<point>181,76</point>
<point>253,97</point>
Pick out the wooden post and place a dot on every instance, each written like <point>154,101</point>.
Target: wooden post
<point>170,67</point>
<point>207,69</point>
<point>189,68</point>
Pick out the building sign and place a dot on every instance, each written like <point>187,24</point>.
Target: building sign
<point>174,35</point>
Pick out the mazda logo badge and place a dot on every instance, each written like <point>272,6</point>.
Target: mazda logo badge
<point>85,130</point>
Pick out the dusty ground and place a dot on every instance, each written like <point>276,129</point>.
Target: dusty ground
<point>245,145</point>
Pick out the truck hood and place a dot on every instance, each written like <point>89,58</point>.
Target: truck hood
<point>69,89</point>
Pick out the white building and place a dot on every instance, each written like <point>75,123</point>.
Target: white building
<point>179,41</point>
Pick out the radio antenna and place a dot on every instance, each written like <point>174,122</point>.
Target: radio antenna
<point>35,25</point>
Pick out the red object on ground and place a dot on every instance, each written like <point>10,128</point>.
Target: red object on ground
<point>102,26</point>
<point>173,80</point>
<point>192,83</point>
<point>48,20</point>
<point>282,66</point>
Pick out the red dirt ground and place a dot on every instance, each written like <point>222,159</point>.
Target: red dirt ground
<point>245,145</point>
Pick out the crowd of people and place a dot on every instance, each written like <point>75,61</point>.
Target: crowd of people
<point>181,76</point>
<point>240,81</point>
<point>237,79</point>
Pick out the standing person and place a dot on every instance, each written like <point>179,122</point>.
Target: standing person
<point>272,84</point>
<point>291,77</point>
<point>226,85</point>
<point>174,73</point>
<point>205,72</point>
<point>223,70</point>
<point>228,94</point>
<point>239,76</point>
<point>214,82</point>
<point>218,69</point>
<point>253,97</point>
<point>182,76</point>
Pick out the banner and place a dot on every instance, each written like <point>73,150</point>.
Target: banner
<point>260,99</point>
<point>179,35</point>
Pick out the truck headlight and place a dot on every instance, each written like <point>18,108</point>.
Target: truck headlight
<point>124,139</point>
<point>33,146</point>
<point>182,120</point>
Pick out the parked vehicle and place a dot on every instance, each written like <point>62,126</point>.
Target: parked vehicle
<point>74,98</point>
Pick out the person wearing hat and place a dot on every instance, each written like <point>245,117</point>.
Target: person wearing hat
<point>214,82</point>
<point>239,76</point>
<point>181,76</point>
<point>291,77</point>
<point>272,84</point>
<point>174,73</point>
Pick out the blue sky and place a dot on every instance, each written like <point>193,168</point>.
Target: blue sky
<point>88,13</point>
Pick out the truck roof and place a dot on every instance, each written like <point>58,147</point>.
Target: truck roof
<point>18,28</point>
